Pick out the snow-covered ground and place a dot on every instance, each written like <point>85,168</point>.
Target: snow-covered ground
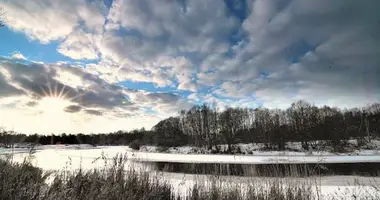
<point>326,188</point>
<point>259,159</point>
<point>87,157</point>
<point>293,149</point>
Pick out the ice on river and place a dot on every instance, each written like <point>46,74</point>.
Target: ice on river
<point>88,157</point>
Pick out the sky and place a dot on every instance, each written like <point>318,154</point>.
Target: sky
<point>94,66</point>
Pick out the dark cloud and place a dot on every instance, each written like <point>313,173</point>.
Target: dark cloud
<point>32,103</point>
<point>6,89</point>
<point>87,91</point>
<point>165,98</point>
<point>275,37</point>
<point>273,49</point>
<point>40,80</point>
<point>93,112</point>
<point>73,109</point>
<point>314,50</point>
<point>104,98</point>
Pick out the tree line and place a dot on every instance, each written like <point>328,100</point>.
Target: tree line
<point>206,126</point>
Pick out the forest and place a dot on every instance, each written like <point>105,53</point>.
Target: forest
<point>206,126</point>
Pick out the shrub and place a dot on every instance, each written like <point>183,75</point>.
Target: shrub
<point>275,190</point>
<point>162,149</point>
<point>23,181</point>
<point>135,144</point>
<point>20,181</point>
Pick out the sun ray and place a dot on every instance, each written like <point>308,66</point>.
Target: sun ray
<point>44,91</point>
<point>56,89</point>
<point>49,87</point>
<point>65,95</point>
<point>53,112</point>
<point>61,92</point>
<point>77,96</point>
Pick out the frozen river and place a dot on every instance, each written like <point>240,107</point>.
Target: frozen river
<point>85,157</point>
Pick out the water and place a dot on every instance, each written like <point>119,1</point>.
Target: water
<point>71,158</point>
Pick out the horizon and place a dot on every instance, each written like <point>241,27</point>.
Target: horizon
<point>369,108</point>
<point>102,66</point>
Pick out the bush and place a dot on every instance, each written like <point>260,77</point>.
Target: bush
<point>20,181</point>
<point>340,146</point>
<point>135,144</point>
<point>23,181</point>
<point>162,149</point>
<point>274,190</point>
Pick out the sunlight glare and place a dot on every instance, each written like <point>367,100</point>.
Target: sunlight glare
<point>53,106</point>
<point>54,116</point>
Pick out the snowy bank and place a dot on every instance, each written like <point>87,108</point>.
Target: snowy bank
<point>258,149</point>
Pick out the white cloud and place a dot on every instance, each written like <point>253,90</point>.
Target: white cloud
<point>88,100</point>
<point>79,45</point>
<point>189,86</point>
<point>281,52</point>
<point>333,48</point>
<point>18,55</point>
<point>47,20</point>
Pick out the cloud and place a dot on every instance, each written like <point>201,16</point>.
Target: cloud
<point>7,89</point>
<point>79,45</point>
<point>257,52</point>
<point>73,109</point>
<point>32,103</point>
<point>93,112</point>
<point>297,49</point>
<point>18,56</point>
<point>47,20</point>
<point>235,89</point>
<point>154,40</point>
<point>38,81</point>
<point>175,21</point>
<point>188,85</point>
<point>25,86</point>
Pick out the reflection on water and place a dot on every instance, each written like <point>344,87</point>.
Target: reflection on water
<point>100,157</point>
<point>72,159</point>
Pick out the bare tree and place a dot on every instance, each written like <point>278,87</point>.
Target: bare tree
<point>231,120</point>
<point>7,138</point>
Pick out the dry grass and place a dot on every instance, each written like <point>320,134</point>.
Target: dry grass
<point>272,191</point>
<point>26,182</point>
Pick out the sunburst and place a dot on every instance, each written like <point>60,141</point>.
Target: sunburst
<point>53,102</point>
<point>62,94</point>
<point>55,98</point>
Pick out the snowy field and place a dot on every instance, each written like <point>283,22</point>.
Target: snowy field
<point>259,159</point>
<point>292,149</point>
<point>253,154</point>
<point>73,157</point>
<point>185,155</point>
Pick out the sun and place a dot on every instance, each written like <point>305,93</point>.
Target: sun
<point>54,100</point>
<point>53,106</point>
<point>52,115</point>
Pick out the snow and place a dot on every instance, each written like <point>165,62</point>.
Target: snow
<point>252,154</point>
<point>328,187</point>
<point>197,155</point>
<point>293,149</point>
<point>259,159</point>
<point>87,157</point>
